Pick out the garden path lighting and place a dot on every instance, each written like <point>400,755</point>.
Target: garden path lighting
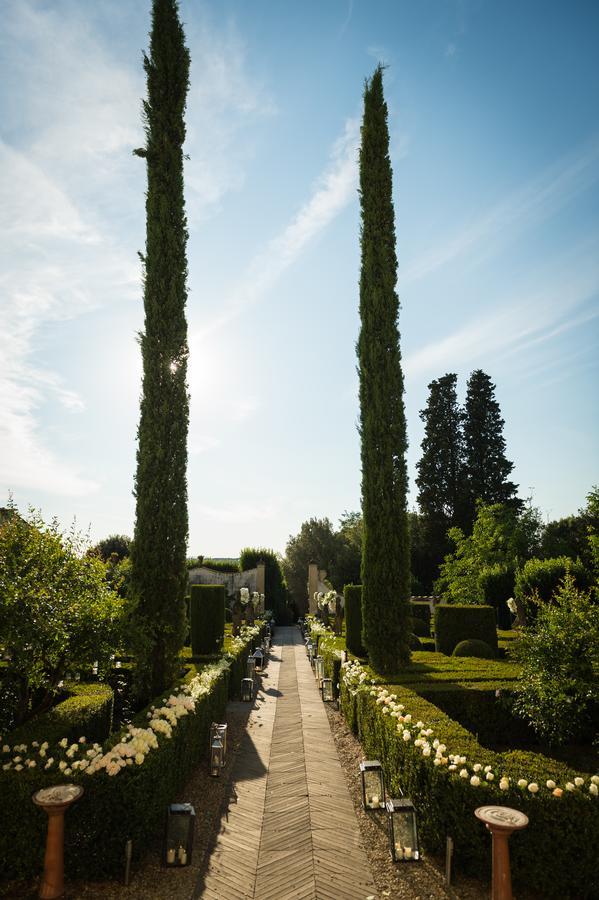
<point>250,667</point>
<point>220,730</point>
<point>247,689</point>
<point>216,756</point>
<point>373,784</point>
<point>55,801</point>
<point>319,669</point>
<point>178,843</point>
<point>258,660</point>
<point>327,690</point>
<point>501,821</point>
<point>310,651</point>
<point>403,830</point>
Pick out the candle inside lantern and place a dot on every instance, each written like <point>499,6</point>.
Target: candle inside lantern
<point>408,852</point>
<point>374,801</point>
<point>398,850</point>
<point>170,856</point>
<point>182,856</point>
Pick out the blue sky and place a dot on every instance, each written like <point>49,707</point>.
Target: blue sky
<point>495,146</point>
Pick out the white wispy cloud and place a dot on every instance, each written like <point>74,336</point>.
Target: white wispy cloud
<point>333,191</point>
<point>71,196</point>
<point>517,325</point>
<point>534,202</point>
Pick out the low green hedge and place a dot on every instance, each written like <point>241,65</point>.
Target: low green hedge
<point>474,647</point>
<point>87,710</point>
<point>543,576</point>
<point>555,855</point>
<point>353,618</point>
<point>207,618</point>
<point>421,610</point>
<point>457,622</point>
<point>131,804</point>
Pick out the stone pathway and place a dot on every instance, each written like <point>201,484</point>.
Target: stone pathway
<point>292,833</point>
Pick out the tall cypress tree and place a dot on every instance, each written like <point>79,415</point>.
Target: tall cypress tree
<point>486,465</point>
<point>385,542</point>
<point>159,546</point>
<point>441,476</point>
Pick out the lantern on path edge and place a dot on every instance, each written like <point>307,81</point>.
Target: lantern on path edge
<point>178,843</point>
<point>373,784</point>
<point>403,830</point>
<point>247,689</point>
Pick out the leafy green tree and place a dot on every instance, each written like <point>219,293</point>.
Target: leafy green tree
<point>57,611</point>
<point>560,665</point>
<point>386,547</point>
<point>159,576</point>
<point>114,544</point>
<point>441,481</point>
<point>500,537</point>
<point>345,567</point>
<point>566,537</point>
<point>486,466</point>
<point>592,517</point>
<point>315,542</point>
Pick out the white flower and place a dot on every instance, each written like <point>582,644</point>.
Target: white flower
<point>594,790</point>
<point>579,782</point>
<point>569,786</point>
<point>35,743</point>
<point>477,767</point>
<point>82,740</point>
<point>522,782</point>
<point>595,779</point>
<point>504,784</point>
<point>463,773</point>
<point>63,743</point>
<point>489,776</point>
<point>7,766</point>
<point>18,767</point>
<point>62,765</point>
<point>475,781</point>
<point>6,749</point>
<point>452,767</point>
<point>407,736</point>
<point>67,771</point>
<point>488,768</point>
<point>551,784</point>
<point>31,763</point>
<point>511,605</point>
<point>533,787</point>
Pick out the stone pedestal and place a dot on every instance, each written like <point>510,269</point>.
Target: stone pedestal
<point>55,801</point>
<point>501,821</point>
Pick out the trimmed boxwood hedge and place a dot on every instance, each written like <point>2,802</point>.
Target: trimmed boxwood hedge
<point>353,618</point>
<point>458,622</point>
<point>421,610</point>
<point>87,710</point>
<point>113,809</point>
<point>474,647</point>
<point>554,855</point>
<point>207,614</point>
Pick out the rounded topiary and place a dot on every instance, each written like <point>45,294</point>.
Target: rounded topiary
<point>414,642</point>
<point>474,647</point>
<point>420,628</point>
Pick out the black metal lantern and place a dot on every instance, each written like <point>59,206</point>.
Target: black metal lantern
<point>373,784</point>
<point>247,689</point>
<point>219,730</point>
<point>326,687</point>
<point>319,669</point>
<point>267,642</point>
<point>310,651</point>
<point>403,830</point>
<point>178,842</point>
<point>258,660</point>
<point>250,669</point>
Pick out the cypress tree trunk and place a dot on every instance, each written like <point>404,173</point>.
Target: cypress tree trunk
<point>159,574</point>
<point>386,545</point>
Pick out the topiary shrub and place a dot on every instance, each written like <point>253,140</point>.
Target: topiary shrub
<point>207,608</point>
<point>421,628</point>
<point>353,619</point>
<point>474,647</point>
<point>87,710</point>
<point>455,623</point>
<point>421,610</point>
<point>497,586</point>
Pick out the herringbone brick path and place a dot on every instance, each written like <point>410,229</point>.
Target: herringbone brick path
<point>292,833</point>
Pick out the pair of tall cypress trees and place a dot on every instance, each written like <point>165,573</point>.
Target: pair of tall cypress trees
<point>160,540</point>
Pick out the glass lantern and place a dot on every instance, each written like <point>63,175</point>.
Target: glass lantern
<point>310,651</point>
<point>221,731</point>
<point>258,660</point>
<point>250,670</point>
<point>403,831</point>
<point>373,784</point>
<point>178,842</point>
<point>319,669</point>
<point>217,759</point>
<point>327,690</point>
<point>247,689</point>
<point>267,642</point>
